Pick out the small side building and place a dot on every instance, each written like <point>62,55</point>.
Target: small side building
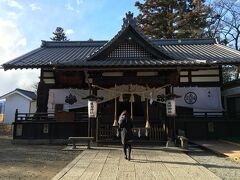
<point>231,96</point>
<point>2,104</point>
<point>23,100</point>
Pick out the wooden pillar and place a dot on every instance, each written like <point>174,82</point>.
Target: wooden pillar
<point>42,97</point>
<point>168,123</point>
<point>16,115</point>
<point>93,120</point>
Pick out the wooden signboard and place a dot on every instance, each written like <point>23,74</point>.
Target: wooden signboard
<point>65,116</point>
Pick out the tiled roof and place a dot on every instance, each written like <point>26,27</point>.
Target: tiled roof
<point>54,53</point>
<point>212,52</point>
<point>173,52</point>
<point>29,94</point>
<point>143,62</point>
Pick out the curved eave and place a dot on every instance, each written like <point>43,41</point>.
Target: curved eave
<point>10,67</point>
<point>105,64</point>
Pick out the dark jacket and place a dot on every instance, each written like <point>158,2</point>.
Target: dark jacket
<point>125,126</point>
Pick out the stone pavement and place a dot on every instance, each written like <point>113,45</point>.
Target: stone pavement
<point>149,163</point>
<point>232,150</point>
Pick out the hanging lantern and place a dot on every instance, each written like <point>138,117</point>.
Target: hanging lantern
<point>143,97</point>
<point>147,126</point>
<point>171,107</point>
<point>121,98</point>
<point>132,98</point>
<point>92,108</point>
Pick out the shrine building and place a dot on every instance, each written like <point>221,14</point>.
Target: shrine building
<point>129,72</point>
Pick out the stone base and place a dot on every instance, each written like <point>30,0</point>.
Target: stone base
<point>40,141</point>
<point>6,129</point>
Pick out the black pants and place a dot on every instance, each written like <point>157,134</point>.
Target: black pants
<point>127,146</point>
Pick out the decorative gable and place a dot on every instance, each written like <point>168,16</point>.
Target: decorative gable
<point>130,50</point>
<point>129,43</point>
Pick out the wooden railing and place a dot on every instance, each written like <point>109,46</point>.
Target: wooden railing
<point>106,132</point>
<point>35,117</point>
<point>201,114</point>
<point>81,116</point>
<point>78,116</point>
<point>155,133</point>
<point>221,115</point>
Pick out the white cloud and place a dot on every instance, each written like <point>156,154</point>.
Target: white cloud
<point>34,7</point>
<point>13,79</point>
<point>13,44</point>
<point>11,39</point>
<point>79,2</point>
<point>14,4</point>
<point>69,31</point>
<point>22,42</point>
<point>69,7</point>
<point>13,15</point>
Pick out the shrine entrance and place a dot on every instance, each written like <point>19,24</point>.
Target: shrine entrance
<point>141,111</point>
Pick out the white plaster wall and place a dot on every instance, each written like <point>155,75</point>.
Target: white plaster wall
<point>33,106</point>
<point>14,102</point>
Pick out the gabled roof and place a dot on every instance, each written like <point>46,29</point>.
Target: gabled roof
<point>162,52</point>
<point>129,33</point>
<point>27,94</point>
<point>199,49</point>
<point>53,53</point>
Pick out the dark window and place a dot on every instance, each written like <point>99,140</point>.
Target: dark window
<point>58,107</point>
<point>233,106</point>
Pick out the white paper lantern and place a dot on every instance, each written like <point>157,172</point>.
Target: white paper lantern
<point>171,107</point>
<point>92,109</point>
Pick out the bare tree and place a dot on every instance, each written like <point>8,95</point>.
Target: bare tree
<point>34,87</point>
<point>224,22</point>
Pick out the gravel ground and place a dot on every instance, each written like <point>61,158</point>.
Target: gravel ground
<point>44,162</point>
<point>223,167</point>
<point>32,161</point>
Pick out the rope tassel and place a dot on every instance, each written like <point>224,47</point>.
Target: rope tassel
<point>132,98</point>
<point>147,126</point>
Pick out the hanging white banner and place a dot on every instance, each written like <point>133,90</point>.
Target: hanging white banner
<point>205,98</point>
<point>58,96</point>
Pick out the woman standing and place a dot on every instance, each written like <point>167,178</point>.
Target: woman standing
<point>125,126</point>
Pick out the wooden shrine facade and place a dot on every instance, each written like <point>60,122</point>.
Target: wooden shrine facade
<point>131,72</point>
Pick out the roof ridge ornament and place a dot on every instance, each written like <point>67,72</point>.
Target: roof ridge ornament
<point>129,19</point>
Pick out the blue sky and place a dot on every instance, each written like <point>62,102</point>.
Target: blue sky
<point>24,23</point>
